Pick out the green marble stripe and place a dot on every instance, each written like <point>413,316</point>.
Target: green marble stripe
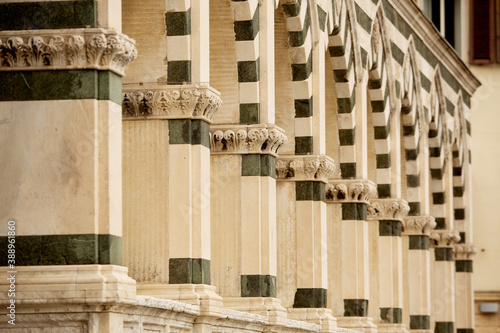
<point>292,9</point>
<point>363,19</point>
<point>412,154</point>
<point>414,208</point>
<point>384,190</point>
<point>419,322</point>
<point>418,242</point>
<point>250,113</point>
<point>310,298</point>
<point>397,54</point>
<point>437,174</point>
<point>380,106</point>
<point>247,30</point>
<point>346,105</point>
<point>61,85</point>
<point>48,15</point>
<point>444,327</point>
<point>355,307</point>
<point>249,71</point>
<point>389,228</point>
<point>459,213</point>
<point>383,161</point>
<point>450,107</point>
<point>178,72</point>
<point>303,108</point>
<point>364,57</point>
<point>189,131</point>
<point>409,130</point>
<point>391,315</point>
<point>438,198</point>
<point>398,88</point>
<point>413,180</point>
<point>83,249</point>
<point>348,170</point>
<point>463,266</point>
<point>465,330</point>
<point>263,165</point>
<point>354,211</point>
<point>301,72</point>
<point>443,253</point>
<point>309,191</point>
<point>440,223</point>
<point>425,82</point>
<point>458,191</point>
<point>462,237</point>
<point>188,271</point>
<point>382,132</point>
<point>178,23</point>
<point>321,18</point>
<point>347,137</point>
<point>297,38</point>
<point>303,145</point>
<point>258,286</point>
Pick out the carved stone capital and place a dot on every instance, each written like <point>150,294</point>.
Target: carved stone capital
<point>465,251</point>
<point>298,168</point>
<point>246,139</point>
<point>356,190</point>
<point>159,101</point>
<point>93,48</point>
<point>387,209</point>
<point>445,238</point>
<point>418,225</point>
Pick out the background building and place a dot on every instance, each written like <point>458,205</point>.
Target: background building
<point>236,166</point>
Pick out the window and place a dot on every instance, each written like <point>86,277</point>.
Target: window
<point>446,16</point>
<point>484,34</point>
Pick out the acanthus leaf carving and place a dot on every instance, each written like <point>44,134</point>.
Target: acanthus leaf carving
<point>294,168</point>
<point>465,251</point>
<point>418,225</point>
<point>387,209</point>
<point>445,238</point>
<point>356,190</point>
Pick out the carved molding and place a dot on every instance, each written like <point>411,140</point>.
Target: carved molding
<point>418,225</point>
<point>465,251</point>
<point>297,168</point>
<point>357,190</point>
<point>387,209</point>
<point>66,49</point>
<point>158,101</point>
<point>445,238</point>
<point>246,139</point>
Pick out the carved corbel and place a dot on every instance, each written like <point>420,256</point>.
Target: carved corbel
<point>418,225</point>
<point>340,191</point>
<point>387,209</point>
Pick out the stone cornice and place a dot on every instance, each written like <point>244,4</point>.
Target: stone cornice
<point>160,101</point>
<point>356,190</point>
<point>94,48</point>
<point>435,42</point>
<point>445,238</point>
<point>303,168</point>
<point>387,209</point>
<point>246,139</point>
<point>418,225</point>
<point>465,251</point>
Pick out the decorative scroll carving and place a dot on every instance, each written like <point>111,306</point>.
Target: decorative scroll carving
<point>418,225</point>
<point>246,139</point>
<point>156,101</point>
<point>465,251</point>
<point>350,191</point>
<point>387,209</point>
<point>69,49</point>
<point>445,238</point>
<point>319,167</point>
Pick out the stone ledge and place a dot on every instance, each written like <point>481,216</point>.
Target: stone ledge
<point>246,139</point>
<point>92,48</point>
<point>162,101</point>
<point>304,168</point>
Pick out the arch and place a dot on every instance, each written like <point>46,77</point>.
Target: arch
<point>438,139</point>
<point>298,19</point>
<point>344,55</point>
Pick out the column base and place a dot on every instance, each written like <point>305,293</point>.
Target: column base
<point>264,306</point>
<point>196,294</point>
<point>392,328</point>
<point>362,324</point>
<point>70,284</point>
<point>319,316</point>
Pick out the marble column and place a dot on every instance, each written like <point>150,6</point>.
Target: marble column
<point>464,288</point>
<point>389,214</point>
<point>354,196</point>
<point>417,229</point>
